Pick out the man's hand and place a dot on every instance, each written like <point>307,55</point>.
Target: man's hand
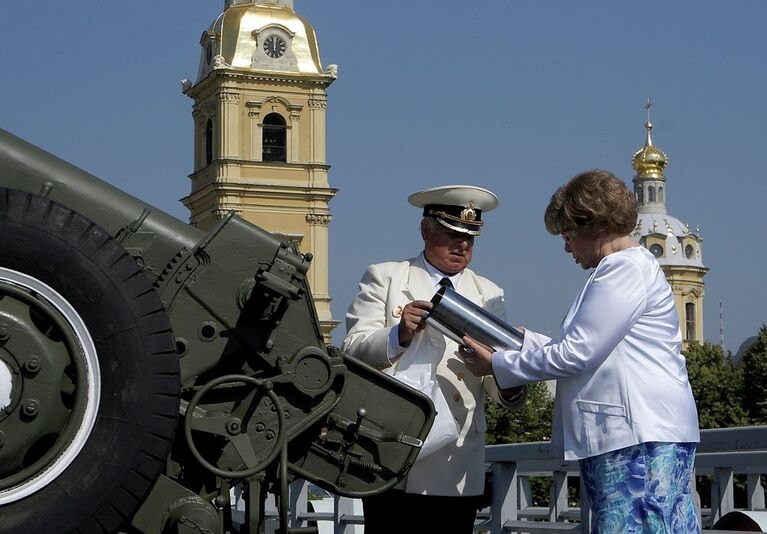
<point>413,320</point>
<point>477,357</point>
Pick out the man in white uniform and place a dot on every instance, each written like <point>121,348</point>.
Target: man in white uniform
<point>386,329</point>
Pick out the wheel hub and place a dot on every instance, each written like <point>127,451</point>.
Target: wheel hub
<point>49,385</point>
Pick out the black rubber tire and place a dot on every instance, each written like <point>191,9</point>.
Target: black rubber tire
<point>130,441</point>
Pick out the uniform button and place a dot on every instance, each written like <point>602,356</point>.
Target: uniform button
<point>459,376</point>
<point>456,397</point>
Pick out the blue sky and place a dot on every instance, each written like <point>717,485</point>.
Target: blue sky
<point>512,95</point>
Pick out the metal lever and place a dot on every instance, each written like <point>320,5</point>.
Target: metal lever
<point>362,413</point>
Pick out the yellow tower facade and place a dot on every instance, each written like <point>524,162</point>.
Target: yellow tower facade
<point>678,249</point>
<point>259,131</point>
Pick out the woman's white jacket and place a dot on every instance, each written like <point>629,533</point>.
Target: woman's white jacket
<point>621,379</point>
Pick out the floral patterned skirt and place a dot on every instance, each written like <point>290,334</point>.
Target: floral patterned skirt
<point>645,488</point>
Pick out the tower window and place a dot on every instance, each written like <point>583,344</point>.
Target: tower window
<point>208,142</point>
<point>640,194</point>
<point>660,194</point>
<point>651,194</point>
<point>688,251</point>
<point>275,137</point>
<point>689,320</point>
<point>656,250</point>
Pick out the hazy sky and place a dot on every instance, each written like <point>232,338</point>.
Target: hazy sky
<point>515,96</point>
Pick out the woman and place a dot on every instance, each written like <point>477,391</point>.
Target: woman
<point>624,406</point>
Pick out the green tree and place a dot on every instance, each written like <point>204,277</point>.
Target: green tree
<point>530,423</point>
<point>754,366</point>
<point>716,385</point>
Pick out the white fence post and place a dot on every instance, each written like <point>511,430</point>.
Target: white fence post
<point>722,496</point>
<point>299,503</point>
<point>558,496</point>
<point>755,492</point>
<point>503,505</point>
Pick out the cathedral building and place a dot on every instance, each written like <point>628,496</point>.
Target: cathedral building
<point>259,131</point>
<point>678,249</point>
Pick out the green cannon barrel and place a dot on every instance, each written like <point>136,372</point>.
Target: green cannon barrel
<point>26,167</point>
<point>147,368</point>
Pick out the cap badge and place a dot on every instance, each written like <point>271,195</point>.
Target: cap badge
<point>468,214</point>
<point>397,311</point>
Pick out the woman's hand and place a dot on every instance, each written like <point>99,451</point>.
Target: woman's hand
<point>477,357</point>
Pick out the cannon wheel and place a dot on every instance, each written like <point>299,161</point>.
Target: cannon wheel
<point>89,376</point>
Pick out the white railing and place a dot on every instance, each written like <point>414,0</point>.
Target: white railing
<point>723,455</point>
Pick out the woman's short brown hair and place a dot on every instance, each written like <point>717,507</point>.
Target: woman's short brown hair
<point>591,203</point>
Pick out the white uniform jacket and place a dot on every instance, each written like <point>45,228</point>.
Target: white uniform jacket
<point>456,468</point>
<point>621,379</point>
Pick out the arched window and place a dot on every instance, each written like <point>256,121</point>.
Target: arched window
<point>689,320</point>
<point>208,142</point>
<point>640,195</point>
<point>651,194</point>
<point>275,137</point>
<point>660,194</point>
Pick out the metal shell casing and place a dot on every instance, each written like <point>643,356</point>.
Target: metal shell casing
<point>455,316</point>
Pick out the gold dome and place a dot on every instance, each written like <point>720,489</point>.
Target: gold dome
<point>650,161</point>
<point>241,36</point>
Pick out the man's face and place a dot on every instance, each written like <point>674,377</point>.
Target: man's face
<point>448,251</point>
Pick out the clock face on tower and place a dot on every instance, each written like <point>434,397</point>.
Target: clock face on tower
<point>274,46</point>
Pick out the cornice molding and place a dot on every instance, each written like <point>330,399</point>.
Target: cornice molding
<point>265,164</point>
<point>216,190</point>
<point>227,75</point>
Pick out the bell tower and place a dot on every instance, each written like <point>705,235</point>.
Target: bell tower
<point>678,249</point>
<point>259,131</point>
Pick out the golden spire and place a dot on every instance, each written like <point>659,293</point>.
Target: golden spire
<point>650,161</point>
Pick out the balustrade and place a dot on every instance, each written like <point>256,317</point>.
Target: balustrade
<point>724,456</point>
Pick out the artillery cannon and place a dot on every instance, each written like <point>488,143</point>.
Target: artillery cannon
<point>148,368</point>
